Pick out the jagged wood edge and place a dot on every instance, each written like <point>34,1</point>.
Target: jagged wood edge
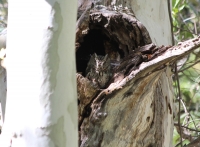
<point>91,16</point>
<point>170,56</point>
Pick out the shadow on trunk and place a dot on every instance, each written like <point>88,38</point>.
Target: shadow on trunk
<point>135,108</point>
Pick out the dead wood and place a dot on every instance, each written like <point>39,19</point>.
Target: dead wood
<point>131,110</point>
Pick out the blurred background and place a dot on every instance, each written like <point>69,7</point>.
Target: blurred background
<point>186,25</point>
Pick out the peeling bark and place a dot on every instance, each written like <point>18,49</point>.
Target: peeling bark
<point>121,27</point>
<point>136,108</point>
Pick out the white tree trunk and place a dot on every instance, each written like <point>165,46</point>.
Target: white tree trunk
<point>41,108</point>
<point>3,79</point>
<point>155,17</point>
<point>3,92</point>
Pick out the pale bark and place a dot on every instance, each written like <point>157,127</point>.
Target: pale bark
<point>41,108</point>
<point>154,15</point>
<point>3,92</point>
<point>137,108</point>
<point>3,78</point>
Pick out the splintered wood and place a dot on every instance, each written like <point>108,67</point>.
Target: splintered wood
<point>135,107</point>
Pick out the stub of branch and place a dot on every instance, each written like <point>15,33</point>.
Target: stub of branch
<point>114,116</point>
<point>157,59</point>
<point>129,86</point>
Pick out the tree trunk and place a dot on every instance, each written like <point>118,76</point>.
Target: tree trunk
<point>136,107</point>
<point>3,92</point>
<point>41,108</point>
<point>3,79</point>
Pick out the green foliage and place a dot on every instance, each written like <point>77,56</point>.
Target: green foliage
<point>186,25</point>
<point>185,20</point>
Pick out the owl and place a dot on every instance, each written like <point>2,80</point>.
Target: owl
<point>99,70</point>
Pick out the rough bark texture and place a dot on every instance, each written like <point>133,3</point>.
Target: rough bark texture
<point>120,26</point>
<point>136,108</point>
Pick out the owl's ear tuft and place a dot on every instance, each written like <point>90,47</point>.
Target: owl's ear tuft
<point>106,57</point>
<point>95,55</point>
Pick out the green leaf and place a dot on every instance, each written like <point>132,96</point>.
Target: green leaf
<point>176,3</point>
<point>175,10</point>
<point>181,7</point>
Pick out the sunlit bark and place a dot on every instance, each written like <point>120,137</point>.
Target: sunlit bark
<point>136,109</point>
<point>41,108</point>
